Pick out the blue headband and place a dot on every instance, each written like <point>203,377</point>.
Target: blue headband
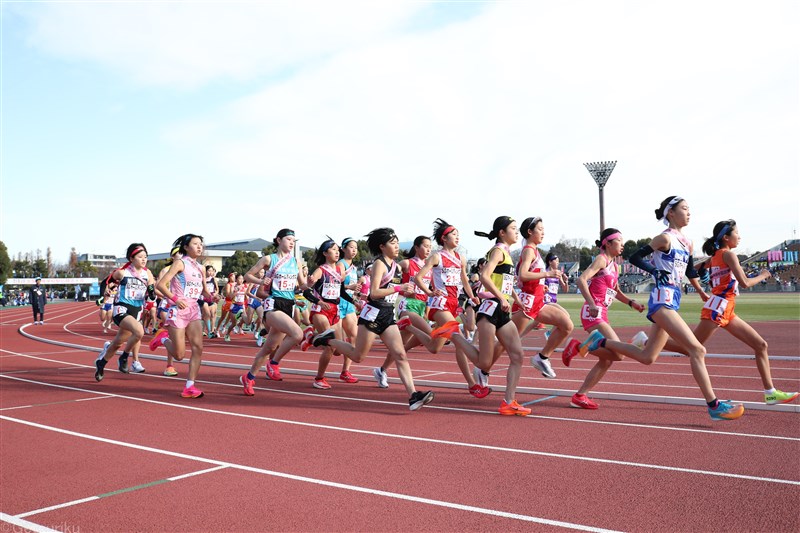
<point>346,241</point>
<point>725,229</point>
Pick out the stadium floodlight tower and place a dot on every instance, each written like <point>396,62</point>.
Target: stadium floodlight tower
<point>600,172</point>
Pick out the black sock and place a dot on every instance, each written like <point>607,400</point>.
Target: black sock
<point>383,370</point>
<point>713,404</point>
<point>484,372</point>
<point>102,362</point>
<point>543,358</point>
<point>602,344</point>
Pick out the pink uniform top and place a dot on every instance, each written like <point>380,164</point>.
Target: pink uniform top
<point>188,285</point>
<point>603,285</point>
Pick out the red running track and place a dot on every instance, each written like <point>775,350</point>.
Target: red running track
<point>128,454</point>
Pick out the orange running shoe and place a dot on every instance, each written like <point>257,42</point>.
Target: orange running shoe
<point>570,351</point>
<point>445,330</point>
<point>513,408</point>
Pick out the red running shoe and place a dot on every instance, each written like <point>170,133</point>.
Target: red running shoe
<point>513,408</point>
<point>321,383</point>
<point>347,377</point>
<point>404,322</point>
<point>308,334</point>
<point>156,342</point>
<point>248,385</point>
<point>479,392</point>
<point>570,351</point>
<point>274,372</point>
<point>581,401</point>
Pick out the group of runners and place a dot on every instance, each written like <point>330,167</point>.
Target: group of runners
<point>427,299</point>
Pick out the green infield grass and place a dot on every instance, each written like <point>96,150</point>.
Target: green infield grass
<point>752,307</point>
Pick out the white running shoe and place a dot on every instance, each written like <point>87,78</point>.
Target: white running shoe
<point>543,366</point>
<point>480,378</point>
<point>381,377</point>
<point>137,367</point>
<point>639,340</point>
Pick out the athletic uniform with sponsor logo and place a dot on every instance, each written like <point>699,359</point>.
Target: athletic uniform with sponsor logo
<point>283,273</point>
<point>418,303</point>
<point>531,292</point>
<point>503,278</point>
<point>378,315</point>
<point>724,288</point>
<point>602,287</point>
<point>186,285</point>
<point>674,261</point>
<point>130,295</point>
<point>446,276</point>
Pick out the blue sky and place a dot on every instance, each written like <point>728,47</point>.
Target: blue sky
<point>141,121</point>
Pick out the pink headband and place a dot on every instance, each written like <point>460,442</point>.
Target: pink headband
<point>611,238</point>
<point>448,230</point>
<point>135,251</point>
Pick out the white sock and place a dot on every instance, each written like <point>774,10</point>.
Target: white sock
<point>770,391</point>
<point>189,383</point>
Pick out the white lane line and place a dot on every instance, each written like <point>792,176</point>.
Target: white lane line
<point>442,441</point>
<point>322,482</point>
<point>386,402</point>
<point>54,403</point>
<point>24,524</point>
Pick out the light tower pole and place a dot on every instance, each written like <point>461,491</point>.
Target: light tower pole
<point>600,172</point>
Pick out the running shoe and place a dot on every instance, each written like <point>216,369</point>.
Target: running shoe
<point>259,341</point>
<point>445,330</point>
<point>308,336</point>
<point>123,363</point>
<point>513,408</point>
<point>639,340</point>
<point>212,335</point>
<point>570,351</point>
<point>780,397</point>
<point>100,365</point>
<point>381,378</point>
<point>418,399</point>
<point>543,366</point>
<point>581,401</point>
<point>547,334</point>
<point>324,338</point>
<point>156,342</point>
<point>404,322</point>
<point>137,367</point>
<point>726,411</point>
<point>591,343</point>
<point>192,392</point>
<point>347,377</point>
<point>480,378</point>
<point>321,383</point>
<point>248,385</point>
<point>274,372</point>
<point>479,392</point>
<point>227,337</point>
<point>170,371</point>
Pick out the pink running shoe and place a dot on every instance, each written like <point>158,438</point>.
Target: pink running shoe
<point>446,330</point>
<point>347,377</point>
<point>156,342</point>
<point>570,351</point>
<point>403,323</point>
<point>581,401</point>
<point>274,372</point>
<point>248,385</point>
<point>192,392</point>
<point>308,335</point>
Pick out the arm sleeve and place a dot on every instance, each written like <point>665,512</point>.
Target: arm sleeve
<point>691,272</point>
<point>637,259</point>
<point>309,295</point>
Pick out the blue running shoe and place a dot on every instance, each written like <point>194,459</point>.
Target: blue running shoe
<point>591,343</point>
<point>726,411</point>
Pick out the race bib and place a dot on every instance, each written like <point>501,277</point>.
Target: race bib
<point>507,286</point>
<point>193,290</point>
<point>330,291</point>
<point>392,298</point>
<point>663,296</point>
<point>552,288</point>
<point>451,276</point>
<point>610,295</point>
<point>239,299</point>
<point>269,304</point>
<point>316,308</point>
<point>527,300</point>
<point>135,291</point>
<point>585,313</point>
<point>436,302</point>
<point>402,306</point>
<point>284,283</point>
<point>488,307</point>
<point>120,310</point>
<point>369,313</point>
<point>716,304</point>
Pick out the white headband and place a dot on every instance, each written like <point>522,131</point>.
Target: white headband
<point>669,206</point>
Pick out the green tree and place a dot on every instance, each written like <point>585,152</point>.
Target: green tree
<point>269,249</point>
<point>308,257</point>
<point>240,262</point>
<point>5,263</point>
<point>586,257</point>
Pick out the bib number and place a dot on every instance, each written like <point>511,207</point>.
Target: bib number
<point>316,308</point>
<point>488,307</point>
<point>663,296</point>
<point>284,284</point>
<point>369,313</point>
<point>527,300</point>
<point>330,291</point>
<point>193,290</point>
<point>507,286</point>
<point>610,295</point>
<point>269,304</point>
<point>716,304</point>
<point>436,302</point>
